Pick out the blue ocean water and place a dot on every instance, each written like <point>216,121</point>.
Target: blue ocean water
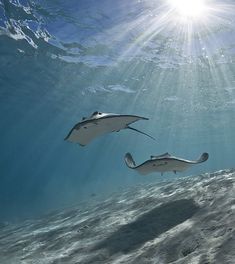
<point>62,60</point>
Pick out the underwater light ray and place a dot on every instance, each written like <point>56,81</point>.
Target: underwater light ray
<point>155,92</point>
<point>164,23</point>
<point>131,50</point>
<point>193,8</point>
<point>217,78</point>
<point>150,33</point>
<point>218,72</point>
<point>154,27</point>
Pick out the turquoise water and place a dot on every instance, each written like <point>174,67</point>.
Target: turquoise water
<point>62,61</point>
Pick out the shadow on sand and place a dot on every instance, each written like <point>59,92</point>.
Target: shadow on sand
<point>148,226</point>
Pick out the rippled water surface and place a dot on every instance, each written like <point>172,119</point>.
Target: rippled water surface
<point>62,60</point>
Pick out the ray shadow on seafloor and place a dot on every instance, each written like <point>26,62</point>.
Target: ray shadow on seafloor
<point>148,226</point>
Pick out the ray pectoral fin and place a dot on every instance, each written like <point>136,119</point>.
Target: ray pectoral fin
<point>204,157</point>
<point>141,132</point>
<point>129,161</point>
<point>165,155</point>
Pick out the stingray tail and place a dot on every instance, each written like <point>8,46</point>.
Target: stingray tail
<point>141,132</point>
<point>129,161</point>
<point>203,157</point>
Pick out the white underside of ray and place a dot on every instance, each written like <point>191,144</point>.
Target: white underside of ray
<point>163,163</point>
<point>161,166</point>
<point>97,127</point>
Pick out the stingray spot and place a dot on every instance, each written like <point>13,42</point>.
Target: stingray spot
<point>85,127</point>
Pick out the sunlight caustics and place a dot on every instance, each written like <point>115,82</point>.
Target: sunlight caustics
<point>189,8</point>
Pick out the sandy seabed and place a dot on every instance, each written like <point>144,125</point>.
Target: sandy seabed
<point>188,220</point>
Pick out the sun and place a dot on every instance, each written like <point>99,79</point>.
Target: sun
<point>189,8</point>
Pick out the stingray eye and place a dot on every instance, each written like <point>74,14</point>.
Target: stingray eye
<point>100,113</point>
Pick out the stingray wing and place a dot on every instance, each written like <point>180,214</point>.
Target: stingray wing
<point>165,155</point>
<point>146,167</point>
<point>204,157</point>
<point>84,132</point>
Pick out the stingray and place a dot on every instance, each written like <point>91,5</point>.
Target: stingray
<point>163,163</point>
<point>101,123</point>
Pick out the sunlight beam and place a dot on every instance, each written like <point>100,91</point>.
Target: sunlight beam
<point>189,9</point>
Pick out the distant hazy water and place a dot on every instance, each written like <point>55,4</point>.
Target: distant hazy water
<point>62,61</point>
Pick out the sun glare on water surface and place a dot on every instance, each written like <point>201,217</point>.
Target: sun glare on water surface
<point>189,8</point>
